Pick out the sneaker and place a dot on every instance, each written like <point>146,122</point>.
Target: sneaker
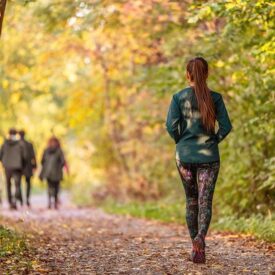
<point>13,206</point>
<point>198,251</point>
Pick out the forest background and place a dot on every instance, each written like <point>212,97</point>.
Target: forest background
<point>100,75</point>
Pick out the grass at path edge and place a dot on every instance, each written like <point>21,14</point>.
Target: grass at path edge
<point>261,227</point>
<point>14,252</point>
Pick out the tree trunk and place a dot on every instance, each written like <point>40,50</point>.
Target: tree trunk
<point>2,13</point>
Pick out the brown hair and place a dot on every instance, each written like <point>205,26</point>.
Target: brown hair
<point>12,131</point>
<point>197,69</point>
<point>21,133</point>
<point>54,141</point>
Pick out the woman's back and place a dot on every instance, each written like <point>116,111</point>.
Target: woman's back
<point>53,162</point>
<point>184,124</point>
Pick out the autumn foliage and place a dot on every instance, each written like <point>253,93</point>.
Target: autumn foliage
<point>100,74</point>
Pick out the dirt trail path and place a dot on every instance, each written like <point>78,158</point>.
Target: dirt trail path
<point>89,241</point>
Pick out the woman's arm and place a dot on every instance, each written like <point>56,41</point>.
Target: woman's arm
<point>223,119</point>
<point>41,174</point>
<point>43,158</point>
<point>62,158</point>
<point>33,158</point>
<point>64,162</point>
<point>1,152</point>
<point>173,120</point>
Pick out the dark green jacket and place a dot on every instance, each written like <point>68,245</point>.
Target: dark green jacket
<point>13,155</point>
<point>52,162</point>
<point>184,124</point>
<point>30,163</point>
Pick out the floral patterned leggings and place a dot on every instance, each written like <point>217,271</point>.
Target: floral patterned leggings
<point>199,183</point>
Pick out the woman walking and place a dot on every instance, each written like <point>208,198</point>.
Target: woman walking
<point>191,123</point>
<point>53,162</point>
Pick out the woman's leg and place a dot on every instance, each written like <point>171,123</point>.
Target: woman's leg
<point>9,192</point>
<point>56,192</point>
<point>28,189</point>
<point>206,177</point>
<point>188,177</point>
<point>50,186</point>
<point>17,175</point>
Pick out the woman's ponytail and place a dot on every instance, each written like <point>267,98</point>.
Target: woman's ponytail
<point>197,69</point>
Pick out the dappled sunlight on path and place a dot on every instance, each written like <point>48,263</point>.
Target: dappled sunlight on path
<point>88,241</point>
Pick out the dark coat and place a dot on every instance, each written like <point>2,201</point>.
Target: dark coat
<point>52,162</point>
<point>31,160</point>
<point>184,124</point>
<point>13,155</point>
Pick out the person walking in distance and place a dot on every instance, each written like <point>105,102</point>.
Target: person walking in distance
<point>53,161</point>
<point>13,157</point>
<point>191,123</point>
<point>30,164</point>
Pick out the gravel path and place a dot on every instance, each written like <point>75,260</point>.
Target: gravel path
<point>89,241</point>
